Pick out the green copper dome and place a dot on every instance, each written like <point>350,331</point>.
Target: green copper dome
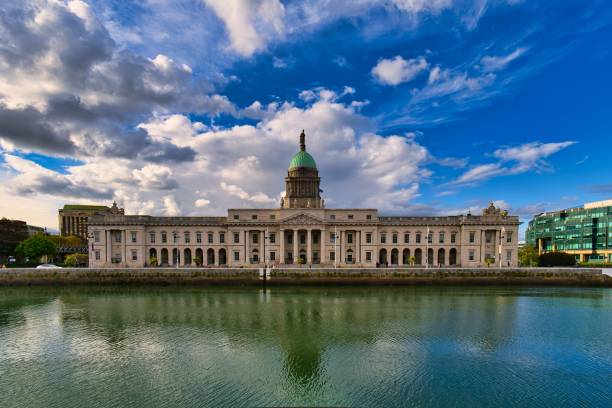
<point>302,159</point>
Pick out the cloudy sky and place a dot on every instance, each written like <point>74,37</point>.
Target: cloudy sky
<point>410,106</point>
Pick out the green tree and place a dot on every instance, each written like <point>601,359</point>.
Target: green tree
<point>528,256</point>
<point>76,260</point>
<point>36,247</point>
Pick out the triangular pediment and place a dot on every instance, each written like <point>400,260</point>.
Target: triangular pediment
<point>302,219</point>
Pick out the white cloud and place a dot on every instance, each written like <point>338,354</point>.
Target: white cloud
<point>514,160</point>
<point>250,23</point>
<point>171,207</point>
<point>155,177</point>
<point>236,191</point>
<point>397,70</point>
<point>497,63</point>
<point>201,202</point>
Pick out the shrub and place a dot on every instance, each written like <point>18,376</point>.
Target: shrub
<point>489,261</point>
<point>76,260</point>
<point>557,259</point>
<point>152,261</point>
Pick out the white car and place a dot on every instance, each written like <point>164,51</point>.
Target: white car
<point>48,266</point>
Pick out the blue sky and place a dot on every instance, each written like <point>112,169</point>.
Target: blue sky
<point>410,106</point>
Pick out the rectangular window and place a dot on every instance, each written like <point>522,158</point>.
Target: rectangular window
<point>222,238</point>
<point>236,217</point>
<point>332,238</point>
<point>118,237</point>
<point>350,216</point>
<point>394,238</point>
<point>236,256</point>
<point>368,217</point>
<point>315,239</point>
<point>509,254</point>
<point>441,237</point>
<point>332,217</point>
<point>290,239</point>
<point>471,255</point>
<point>97,236</point>
<point>302,239</point>
<point>430,238</point>
<point>472,237</point>
<point>349,238</point>
<point>383,239</point>
<point>509,236</point>
<point>256,238</point>
<point>368,237</point>
<point>133,236</point>
<point>453,238</point>
<point>198,237</point>
<point>254,216</point>
<point>97,255</point>
<point>187,237</point>
<point>272,216</point>
<point>152,237</point>
<point>406,238</point>
<point>236,238</point>
<point>368,256</point>
<point>175,237</point>
<point>164,237</point>
<point>210,238</point>
<point>134,255</point>
<point>332,256</point>
<point>418,237</point>
<point>273,256</point>
<point>488,237</point>
<point>272,237</point>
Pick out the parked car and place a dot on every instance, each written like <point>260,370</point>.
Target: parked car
<point>48,266</point>
<point>12,259</point>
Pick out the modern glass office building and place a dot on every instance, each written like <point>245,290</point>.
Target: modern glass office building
<point>584,231</point>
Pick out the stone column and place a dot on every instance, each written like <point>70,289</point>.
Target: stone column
<point>124,246</point>
<point>109,244</point>
<point>358,246</point>
<point>295,244</point>
<point>482,246</point>
<point>262,247</point>
<point>282,246</point>
<point>309,246</point>
<point>322,246</point>
<point>342,246</point>
<point>247,246</point>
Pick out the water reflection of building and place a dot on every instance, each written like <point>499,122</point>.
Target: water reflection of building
<point>304,323</point>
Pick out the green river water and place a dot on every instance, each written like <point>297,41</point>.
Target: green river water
<point>400,346</point>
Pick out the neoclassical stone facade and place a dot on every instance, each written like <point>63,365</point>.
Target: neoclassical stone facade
<point>302,230</point>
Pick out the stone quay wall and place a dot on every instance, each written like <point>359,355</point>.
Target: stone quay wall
<point>307,276</point>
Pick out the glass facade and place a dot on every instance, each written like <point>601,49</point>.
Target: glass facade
<point>574,230</point>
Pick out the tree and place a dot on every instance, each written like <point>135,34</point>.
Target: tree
<point>489,261</point>
<point>528,256</point>
<point>36,247</point>
<point>412,260</point>
<point>76,260</point>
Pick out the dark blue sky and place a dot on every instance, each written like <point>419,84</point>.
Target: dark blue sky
<point>437,107</point>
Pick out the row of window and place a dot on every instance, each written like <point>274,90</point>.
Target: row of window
<point>273,216</point>
<point>332,237</point>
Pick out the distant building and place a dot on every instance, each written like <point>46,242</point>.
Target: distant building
<point>12,232</point>
<point>73,218</point>
<point>583,231</point>
<point>33,230</point>
<point>302,230</point>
